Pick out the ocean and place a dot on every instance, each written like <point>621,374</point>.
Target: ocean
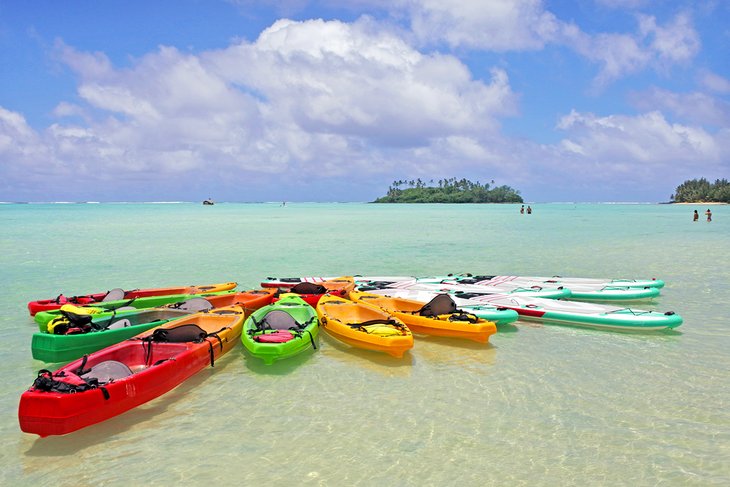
<point>539,405</point>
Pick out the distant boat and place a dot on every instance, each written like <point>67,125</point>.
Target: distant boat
<point>209,201</point>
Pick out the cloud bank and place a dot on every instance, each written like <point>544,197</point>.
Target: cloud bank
<point>368,101</point>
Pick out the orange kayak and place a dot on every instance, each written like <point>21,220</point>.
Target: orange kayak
<point>439,317</point>
<point>363,326</point>
<point>249,301</point>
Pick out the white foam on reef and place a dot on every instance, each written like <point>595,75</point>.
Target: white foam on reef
<point>625,203</point>
<point>59,202</point>
<point>146,202</point>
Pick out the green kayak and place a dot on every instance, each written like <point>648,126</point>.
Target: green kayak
<point>110,308</point>
<point>281,330</point>
<point>104,331</point>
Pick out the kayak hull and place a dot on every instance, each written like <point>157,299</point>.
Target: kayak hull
<point>570,282</point>
<point>153,371</point>
<point>80,300</point>
<point>424,284</point>
<point>500,316</point>
<point>110,308</point>
<point>339,286</point>
<point>586,315</point>
<point>63,348</point>
<point>616,294</point>
<point>53,348</point>
<point>301,312</point>
<point>441,325</point>
<point>336,316</point>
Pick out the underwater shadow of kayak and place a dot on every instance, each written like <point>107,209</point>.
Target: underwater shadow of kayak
<point>379,358</point>
<point>278,367</point>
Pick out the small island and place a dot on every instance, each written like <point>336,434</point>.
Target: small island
<point>702,191</point>
<point>448,191</point>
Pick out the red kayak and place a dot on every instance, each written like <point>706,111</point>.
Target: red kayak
<point>311,292</point>
<point>117,294</point>
<point>120,377</point>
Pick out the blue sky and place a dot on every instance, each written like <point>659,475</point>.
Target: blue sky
<point>243,100</point>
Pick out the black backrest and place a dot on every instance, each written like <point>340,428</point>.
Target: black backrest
<point>441,304</point>
<point>179,334</point>
<point>308,288</point>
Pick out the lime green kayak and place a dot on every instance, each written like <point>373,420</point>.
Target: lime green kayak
<point>281,330</point>
<point>110,308</point>
<point>104,331</point>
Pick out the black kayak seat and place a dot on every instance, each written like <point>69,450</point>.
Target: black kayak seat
<point>308,288</point>
<point>108,371</point>
<point>186,333</point>
<point>441,304</point>
<point>114,295</point>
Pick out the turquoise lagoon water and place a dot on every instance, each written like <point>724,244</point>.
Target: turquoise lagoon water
<point>539,405</point>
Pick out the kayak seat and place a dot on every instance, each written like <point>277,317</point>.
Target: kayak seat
<point>114,295</point>
<point>178,334</point>
<point>107,371</point>
<point>193,305</point>
<point>308,288</point>
<point>123,323</point>
<point>441,304</point>
<point>283,324</point>
<point>278,320</point>
<point>188,333</point>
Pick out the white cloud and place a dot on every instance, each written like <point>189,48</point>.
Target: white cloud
<point>676,42</point>
<point>695,107</point>
<point>714,82</point>
<point>500,25</point>
<point>516,25</point>
<point>333,98</point>
<point>323,97</point>
<point>644,142</point>
<point>631,4</point>
<point>20,146</point>
<point>89,65</point>
<point>623,54</point>
<point>618,54</point>
<point>332,77</point>
<point>65,109</point>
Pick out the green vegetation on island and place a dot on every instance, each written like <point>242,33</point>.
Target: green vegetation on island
<point>702,191</point>
<point>449,191</point>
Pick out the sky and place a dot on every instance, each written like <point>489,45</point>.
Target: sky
<point>297,100</point>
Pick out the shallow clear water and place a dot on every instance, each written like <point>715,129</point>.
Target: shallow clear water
<point>537,406</point>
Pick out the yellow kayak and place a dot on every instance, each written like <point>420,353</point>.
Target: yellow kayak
<point>363,326</point>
